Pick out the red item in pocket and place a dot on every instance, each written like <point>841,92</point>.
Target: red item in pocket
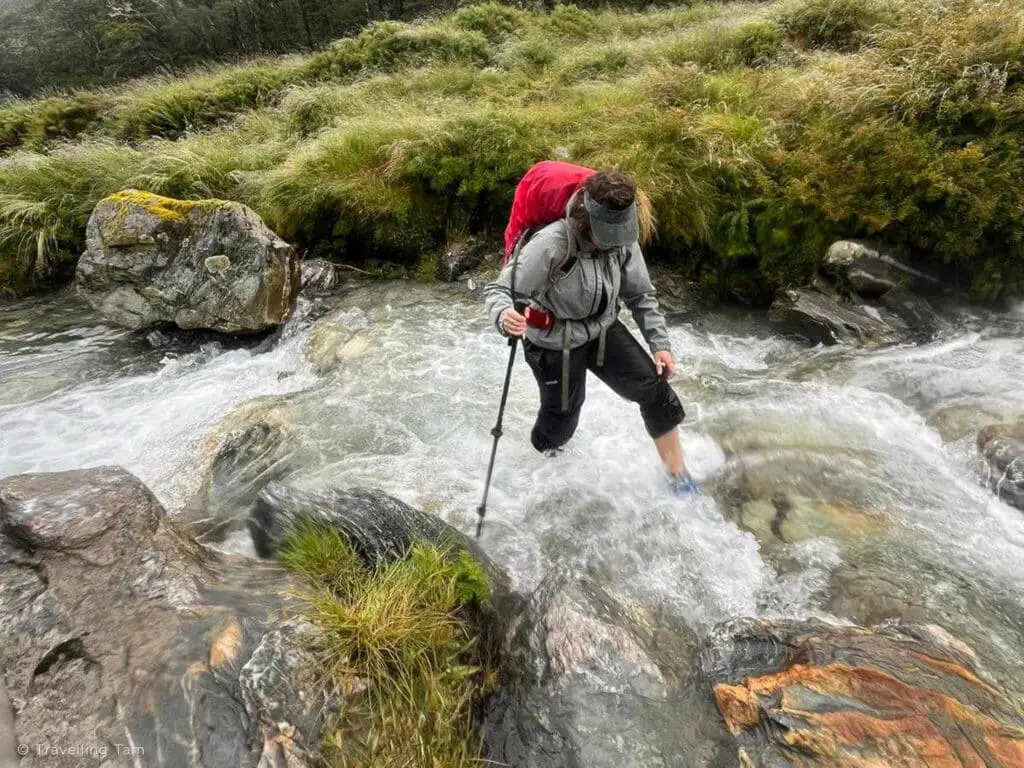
<point>538,318</point>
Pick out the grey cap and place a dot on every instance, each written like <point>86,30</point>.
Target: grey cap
<point>612,228</point>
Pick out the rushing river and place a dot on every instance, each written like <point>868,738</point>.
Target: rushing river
<point>838,482</point>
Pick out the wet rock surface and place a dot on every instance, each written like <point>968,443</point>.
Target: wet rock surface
<point>821,319</point>
<point>1002,447</point>
<point>255,444</point>
<point>459,258</point>
<point>318,276</point>
<point>866,269</point>
<point>808,693</point>
<point>593,679</point>
<point>123,636</point>
<point>207,264</point>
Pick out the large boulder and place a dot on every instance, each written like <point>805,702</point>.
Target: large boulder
<point>808,693</point>
<point>1002,447</point>
<point>208,264</point>
<point>821,319</point>
<point>863,268</point>
<point>122,637</point>
<point>380,529</point>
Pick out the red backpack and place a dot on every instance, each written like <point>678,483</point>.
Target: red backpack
<point>541,197</point>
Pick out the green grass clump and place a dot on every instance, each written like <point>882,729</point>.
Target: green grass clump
<point>170,109</point>
<point>406,633</point>
<point>842,25</point>
<point>389,46</point>
<point>35,124</point>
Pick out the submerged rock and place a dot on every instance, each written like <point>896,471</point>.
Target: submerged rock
<point>119,632</point>
<point>336,338</point>
<point>209,264</point>
<point>822,320</point>
<point>865,269</point>
<point>252,446</point>
<point>1002,447</point>
<point>807,693</point>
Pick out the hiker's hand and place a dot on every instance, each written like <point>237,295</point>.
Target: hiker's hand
<point>513,323</point>
<point>664,361</point>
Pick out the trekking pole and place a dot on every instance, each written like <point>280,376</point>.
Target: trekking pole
<point>482,509</point>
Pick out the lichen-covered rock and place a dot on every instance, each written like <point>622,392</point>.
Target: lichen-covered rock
<point>822,320</point>
<point>120,633</point>
<point>209,264</point>
<point>1002,446</point>
<point>808,693</point>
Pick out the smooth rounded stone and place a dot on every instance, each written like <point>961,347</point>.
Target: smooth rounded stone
<point>593,679</point>
<point>342,335</point>
<point>460,257</point>
<point>208,264</point>
<point>1002,447</point>
<point>319,276</point>
<point>820,319</point>
<point>867,270</point>
<point>809,693</point>
<point>254,444</point>
<point>118,630</point>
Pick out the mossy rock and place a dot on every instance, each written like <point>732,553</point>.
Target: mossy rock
<point>209,264</point>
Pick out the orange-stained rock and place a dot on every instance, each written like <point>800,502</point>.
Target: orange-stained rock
<point>808,694</point>
<point>738,706</point>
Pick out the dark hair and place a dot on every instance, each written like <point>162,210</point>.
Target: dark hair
<point>610,189</point>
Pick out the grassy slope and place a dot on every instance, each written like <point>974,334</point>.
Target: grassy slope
<point>761,132</point>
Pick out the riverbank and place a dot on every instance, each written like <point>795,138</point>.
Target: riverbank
<point>761,131</point>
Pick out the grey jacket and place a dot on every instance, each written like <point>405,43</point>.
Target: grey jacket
<point>575,296</point>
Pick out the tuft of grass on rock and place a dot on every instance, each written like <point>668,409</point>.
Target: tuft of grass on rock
<point>401,642</point>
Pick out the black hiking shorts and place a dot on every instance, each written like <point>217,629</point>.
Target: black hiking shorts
<point>627,369</point>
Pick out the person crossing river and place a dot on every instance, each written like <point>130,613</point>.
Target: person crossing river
<point>560,290</point>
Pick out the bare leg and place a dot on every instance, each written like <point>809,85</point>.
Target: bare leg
<point>670,449</point>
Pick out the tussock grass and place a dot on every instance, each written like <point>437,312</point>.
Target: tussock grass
<point>760,131</point>
<point>405,634</point>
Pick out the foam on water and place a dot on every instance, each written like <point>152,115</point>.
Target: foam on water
<point>148,422</point>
